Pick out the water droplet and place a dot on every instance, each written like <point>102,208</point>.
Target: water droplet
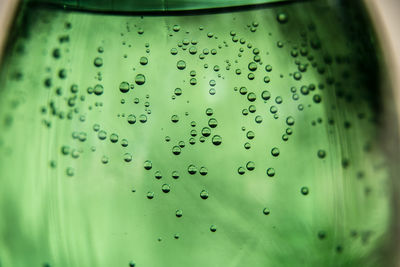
<point>176,150</point>
<point>275,152</point>
<point>271,172</point>
<point>179,213</point>
<point>266,95</point>
<point>140,79</point>
<point>128,157</point>
<point>165,188</point>
<point>98,89</point>
<point>114,138</point>
<point>176,28</point>
<point>282,18</point>
<point>252,66</point>
<point>204,194</point>
<point>212,123</point>
<point>241,170</point>
<point>143,61</point>
<point>266,211</point>
<point>251,97</point>
<point>181,65</point>
<point>250,135</point>
<point>104,159</point>
<point>203,171</point>
<point>304,190</point>
<point>131,119</point>
<point>124,87</point>
<point>150,195</point>
<point>98,62</point>
<point>216,140</point>
<point>174,118</point>
<point>321,154</point>
<point>192,169</point>
<point>70,171</point>
<point>147,165</point>
<point>250,165</point>
<point>213,228</point>
<point>290,121</point>
<point>206,131</point>
<point>102,135</point>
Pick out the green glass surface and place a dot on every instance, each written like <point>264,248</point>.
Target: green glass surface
<point>238,137</point>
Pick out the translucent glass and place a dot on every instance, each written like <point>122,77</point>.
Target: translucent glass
<point>249,135</point>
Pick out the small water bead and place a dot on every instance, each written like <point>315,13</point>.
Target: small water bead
<point>178,213</point>
<point>265,95</point>
<point>176,150</point>
<point>102,135</point>
<point>212,123</point>
<point>192,50</point>
<point>127,157</point>
<point>104,159</point>
<point>209,112</point>
<point>192,169</point>
<point>166,188</point>
<point>178,91</point>
<point>241,171</point>
<point>174,118</point>
<point>148,165</point>
<point>289,131</point>
<point>114,138</point>
<point>267,79</point>
<point>247,145</point>
<point>282,18</point>
<point>70,171</point>
<point>174,51</point>
<point>297,76</point>
<point>204,194</point>
<point>243,90</point>
<point>150,195</point>
<point>193,81</point>
<point>181,65</point>
<point>317,99</point>
<point>193,133</point>
<point>251,97</point>
<point>216,140</point>
<point>98,62</point>
<point>252,66</point>
<point>245,112</point>
<point>175,174</point>
<point>304,90</point>
<point>273,109</point>
<point>176,28</point>
<point>304,190</point>
<point>290,121</point>
<point>181,144</point>
<point>124,142</point>
<point>212,91</point>
<point>271,172</point>
<point>268,68</point>
<point>143,61</point>
<point>213,228</point>
<point>321,154</point>
<point>250,135</point>
<point>98,89</point>
<point>143,118</point>
<point>131,119</point>
<point>250,165</point>
<point>203,171</point>
<point>158,175</point>
<point>65,150</point>
<point>206,131</point>
<point>266,211</point>
<point>275,152</point>
<point>258,119</point>
<point>140,79</point>
<point>278,100</point>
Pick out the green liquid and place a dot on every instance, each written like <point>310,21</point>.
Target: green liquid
<point>241,138</point>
